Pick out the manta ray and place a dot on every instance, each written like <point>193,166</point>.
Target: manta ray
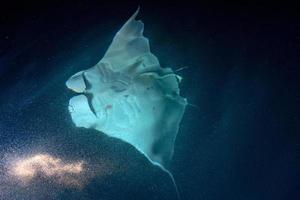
<point>129,96</point>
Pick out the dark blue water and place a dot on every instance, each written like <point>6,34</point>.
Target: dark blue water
<point>240,140</point>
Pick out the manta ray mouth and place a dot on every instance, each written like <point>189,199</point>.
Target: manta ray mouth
<point>81,85</point>
<point>89,100</point>
<point>88,95</point>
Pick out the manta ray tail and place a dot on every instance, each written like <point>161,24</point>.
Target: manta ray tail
<point>173,180</point>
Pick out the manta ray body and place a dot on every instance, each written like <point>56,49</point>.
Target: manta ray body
<point>129,96</point>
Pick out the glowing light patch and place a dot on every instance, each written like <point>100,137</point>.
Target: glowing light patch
<point>48,166</point>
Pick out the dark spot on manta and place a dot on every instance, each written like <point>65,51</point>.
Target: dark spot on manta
<point>109,106</point>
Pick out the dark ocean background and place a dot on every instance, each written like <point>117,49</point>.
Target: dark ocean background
<point>241,139</point>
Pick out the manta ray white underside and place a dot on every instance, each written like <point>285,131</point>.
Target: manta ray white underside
<point>127,95</point>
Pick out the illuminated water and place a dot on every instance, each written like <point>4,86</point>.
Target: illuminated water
<point>239,140</point>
